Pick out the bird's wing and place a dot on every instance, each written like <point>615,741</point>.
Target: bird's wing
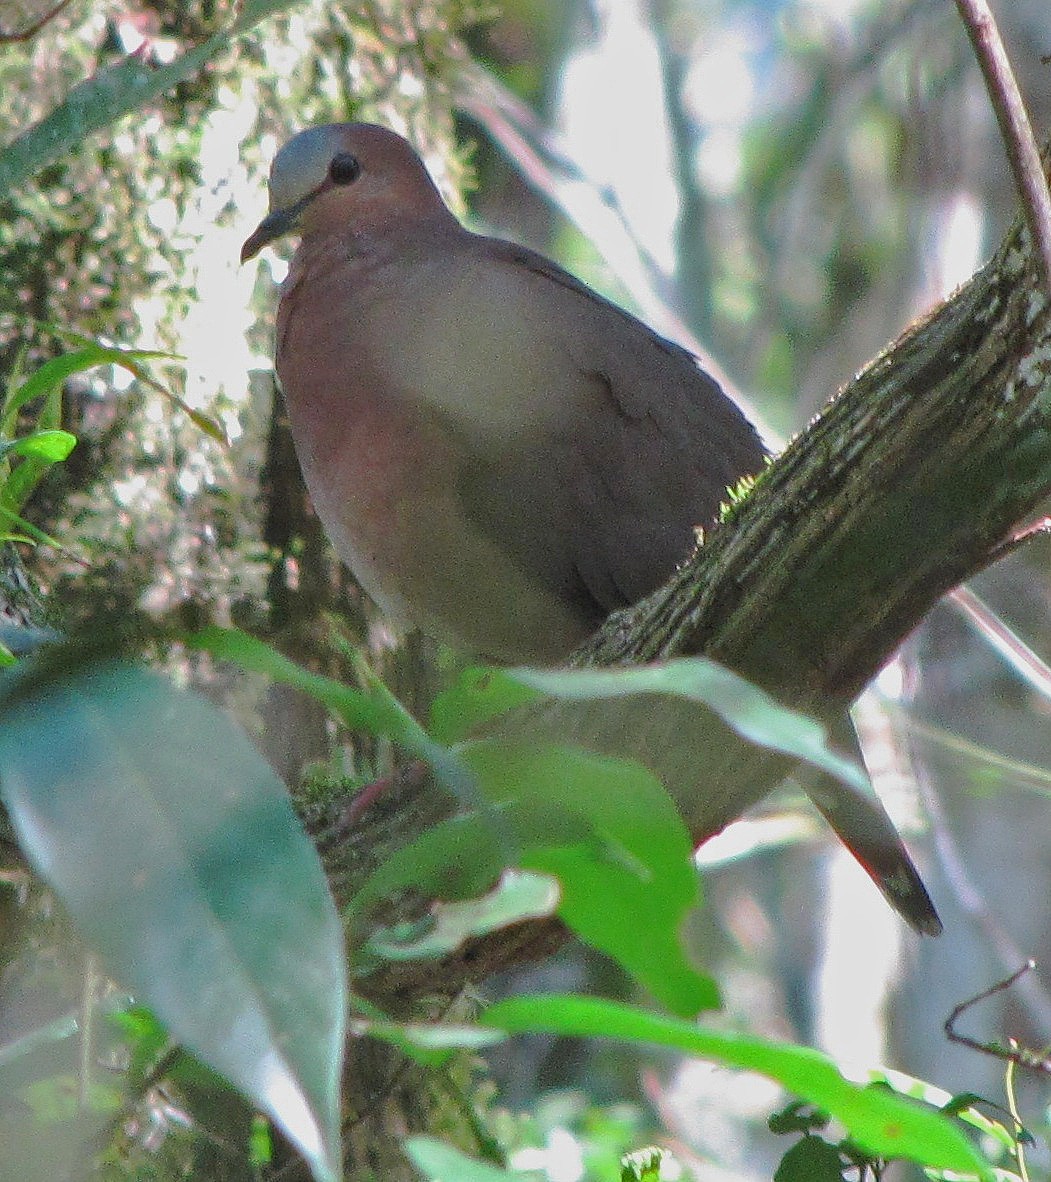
<point>651,443</point>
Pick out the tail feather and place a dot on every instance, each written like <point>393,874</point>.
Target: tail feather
<point>867,831</point>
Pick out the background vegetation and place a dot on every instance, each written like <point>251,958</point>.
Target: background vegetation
<point>785,184</point>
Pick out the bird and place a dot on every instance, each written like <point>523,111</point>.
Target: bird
<point>500,455</point>
<point>516,456</point>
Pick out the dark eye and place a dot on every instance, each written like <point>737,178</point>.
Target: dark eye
<point>344,169</point>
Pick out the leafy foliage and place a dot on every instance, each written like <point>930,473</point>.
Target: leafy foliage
<point>176,852</point>
<point>180,861</point>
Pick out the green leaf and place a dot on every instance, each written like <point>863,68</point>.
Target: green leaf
<point>52,446</point>
<point>441,1163</point>
<point>628,878</point>
<point>477,696</point>
<point>374,710</point>
<point>880,1122</point>
<point>29,531</point>
<point>605,828</point>
<point>176,851</point>
<point>40,451</point>
<point>516,897</point>
<point>357,710</point>
<point>745,708</point>
<point>454,859</point>
<point>810,1160</point>
<point>643,1165</point>
<point>50,376</point>
<point>431,1045</point>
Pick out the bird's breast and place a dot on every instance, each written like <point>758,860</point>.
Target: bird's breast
<point>395,402</point>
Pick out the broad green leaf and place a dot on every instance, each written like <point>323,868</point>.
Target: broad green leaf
<point>605,828</point>
<point>441,1163</point>
<point>628,880</point>
<point>881,1122</point>
<point>745,708</point>
<point>517,896</point>
<point>39,452</point>
<point>477,696</point>
<point>52,446</point>
<point>116,91</point>
<point>176,851</point>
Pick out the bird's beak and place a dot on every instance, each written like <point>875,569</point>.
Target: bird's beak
<point>276,223</point>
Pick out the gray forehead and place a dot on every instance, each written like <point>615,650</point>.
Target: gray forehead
<point>302,164</point>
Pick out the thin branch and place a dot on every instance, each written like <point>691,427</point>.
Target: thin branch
<point>1012,1052</point>
<point>9,35</point>
<point>1017,132</point>
<point>1003,640</point>
<point>974,905</point>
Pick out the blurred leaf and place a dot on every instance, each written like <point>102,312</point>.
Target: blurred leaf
<point>46,382</point>
<point>517,896</point>
<point>745,708</point>
<point>882,1123</point>
<point>628,881</point>
<point>455,859</point>
<point>810,1160</point>
<point>50,376</point>
<point>477,696</point>
<point>355,709</point>
<point>644,1165</point>
<point>29,532</point>
<point>260,1144</point>
<point>112,93</point>
<point>374,710</point>
<point>40,451</point>
<point>27,1044</point>
<point>986,772</point>
<point>176,851</point>
<point>431,1045</point>
<point>52,446</point>
<point>605,828</point>
<point>441,1163</point>
<point>962,1106</point>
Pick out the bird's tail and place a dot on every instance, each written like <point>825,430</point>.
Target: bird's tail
<point>866,830</point>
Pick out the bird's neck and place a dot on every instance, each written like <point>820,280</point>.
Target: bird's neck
<point>373,243</point>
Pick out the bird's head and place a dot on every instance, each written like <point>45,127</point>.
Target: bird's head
<point>343,174</point>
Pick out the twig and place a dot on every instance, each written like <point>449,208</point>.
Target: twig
<point>9,35</point>
<point>1015,128</point>
<point>974,905</point>
<point>1003,640</point>
<point>1013,1052</point>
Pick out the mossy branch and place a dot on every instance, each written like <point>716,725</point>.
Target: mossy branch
<point>910,481</point>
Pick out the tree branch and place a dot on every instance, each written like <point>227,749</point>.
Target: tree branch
<point>1015,128</point>
<point>907,484</point>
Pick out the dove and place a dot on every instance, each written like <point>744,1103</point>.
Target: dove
<point>500,455</point>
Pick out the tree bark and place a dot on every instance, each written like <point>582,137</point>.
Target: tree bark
<point>911,480</point>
